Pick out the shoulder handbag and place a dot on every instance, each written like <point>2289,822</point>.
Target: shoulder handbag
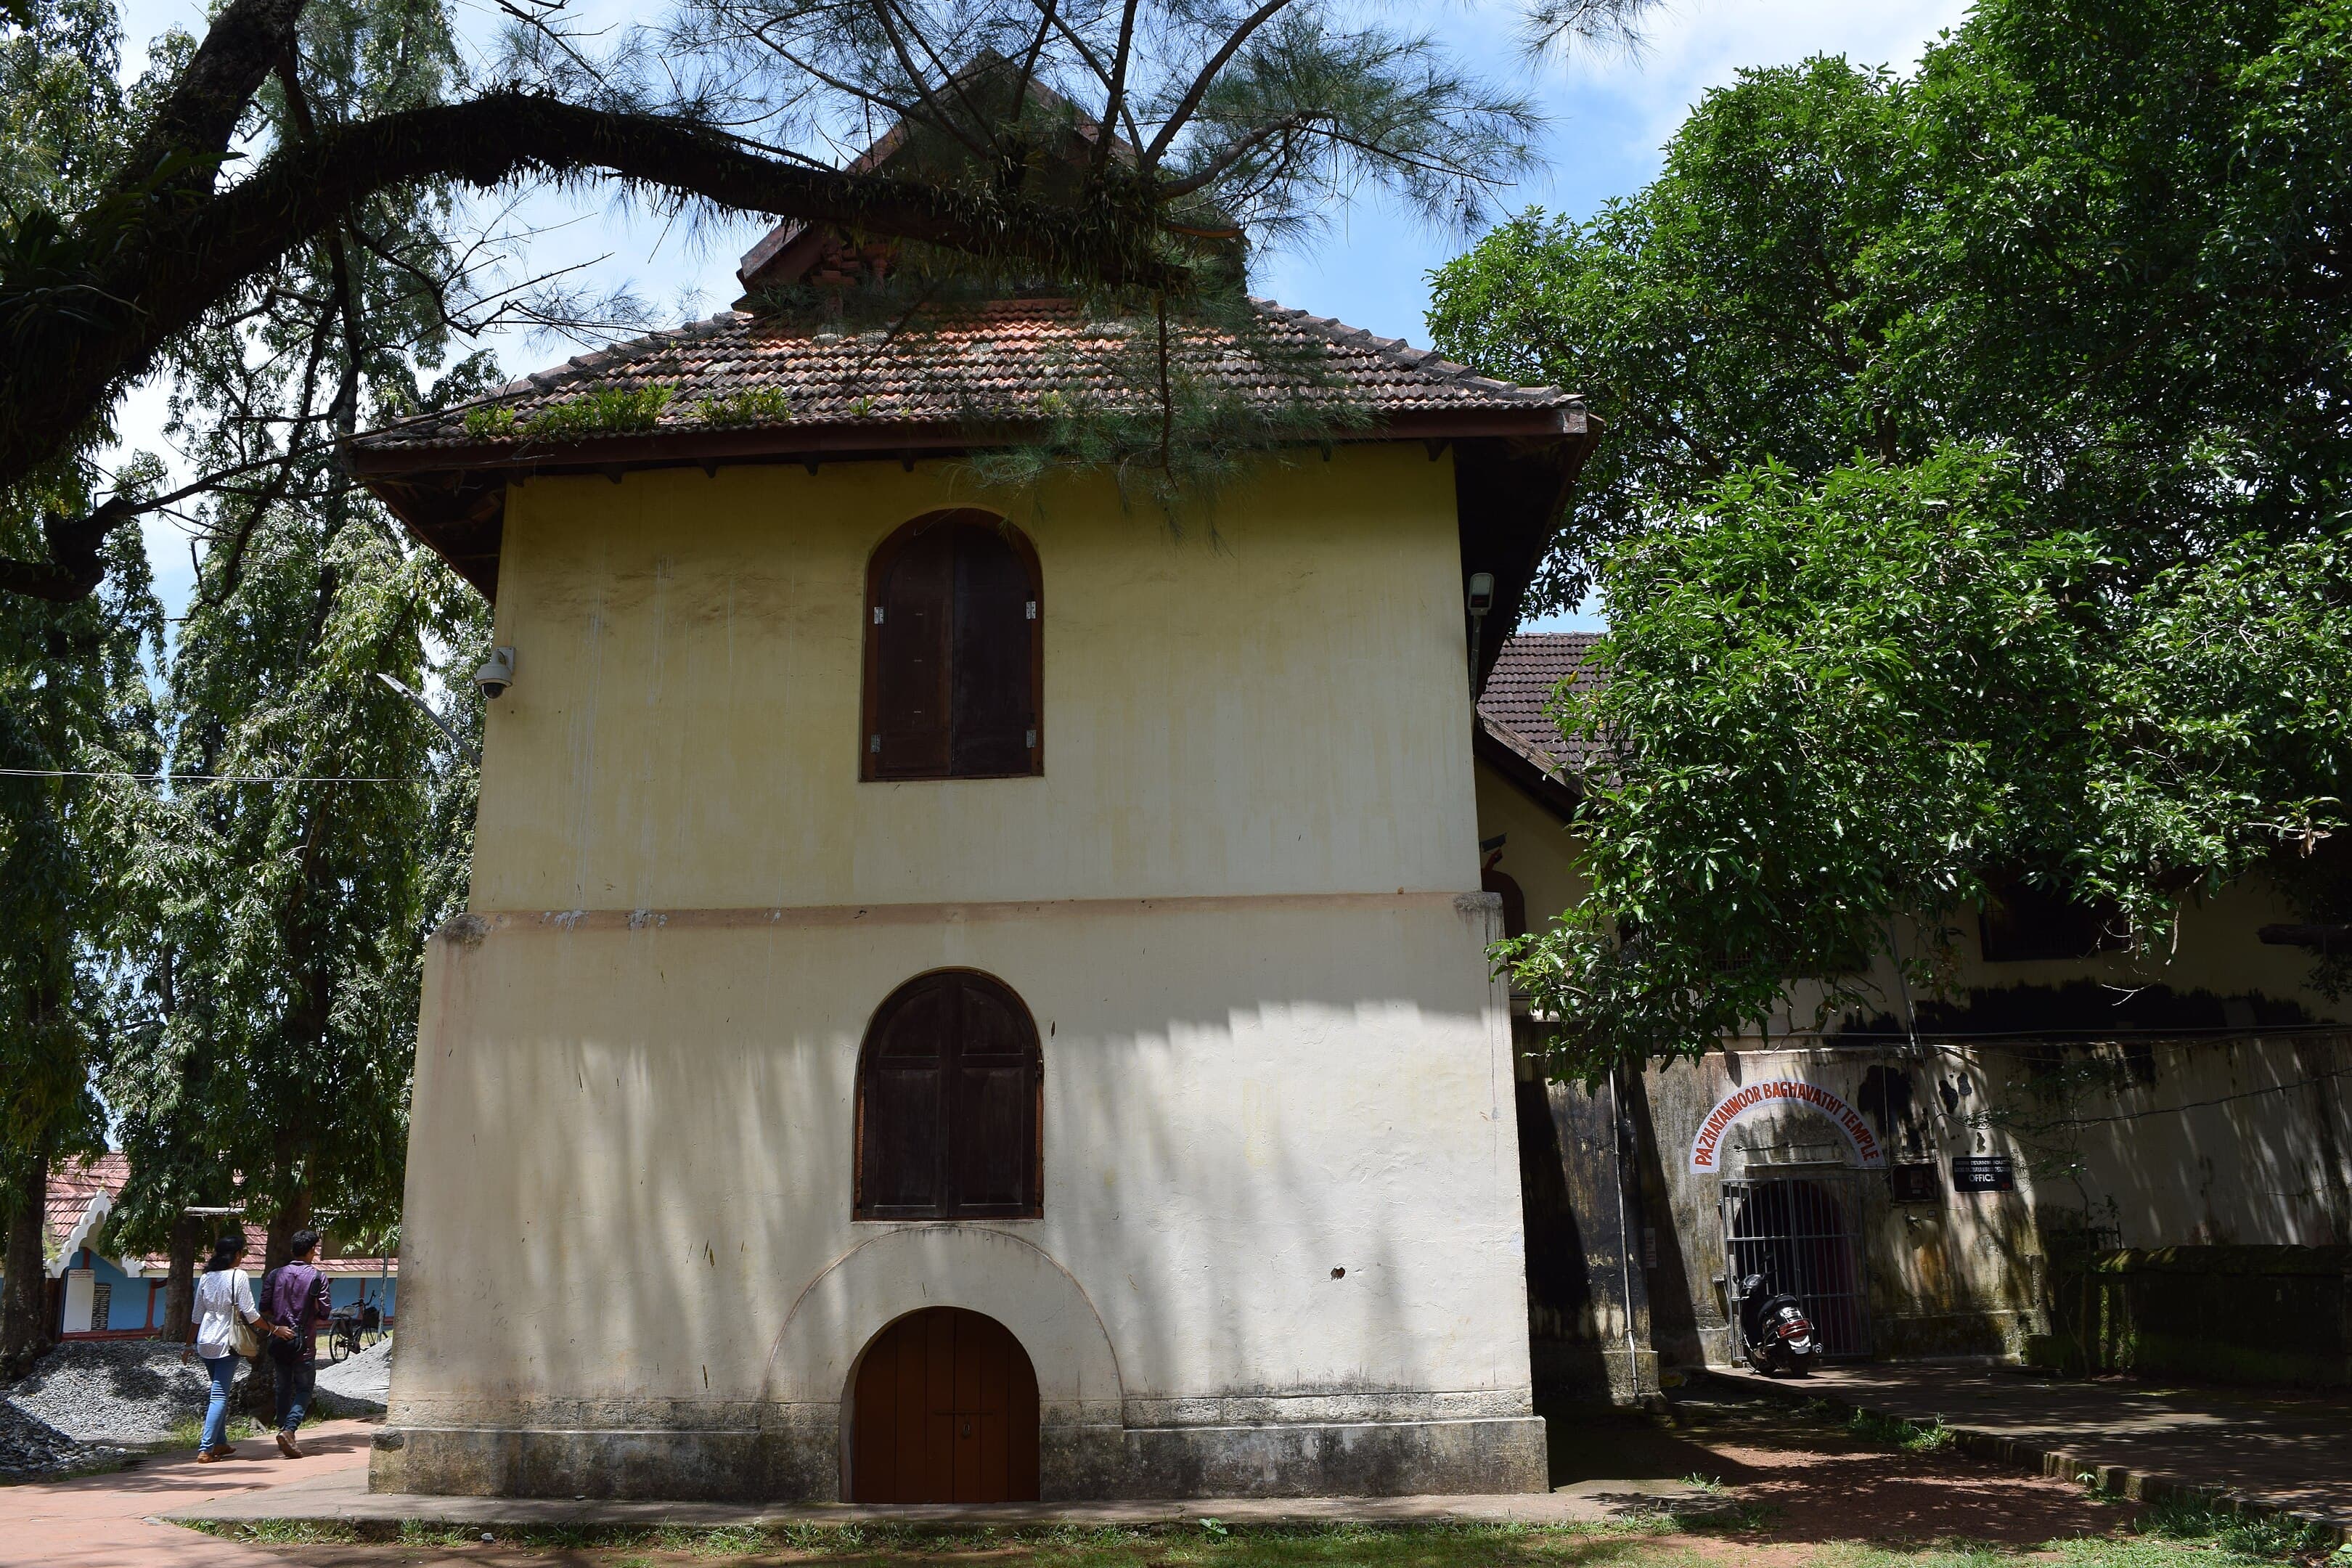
<point>246,1342</point>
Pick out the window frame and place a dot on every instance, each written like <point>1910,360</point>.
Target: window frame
<point>878,564</point>
<point>950,1211</point>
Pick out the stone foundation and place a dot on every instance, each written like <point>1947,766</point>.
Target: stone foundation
<point>1366,1459</point>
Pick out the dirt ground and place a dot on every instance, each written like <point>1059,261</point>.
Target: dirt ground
<point>1804,1483</point>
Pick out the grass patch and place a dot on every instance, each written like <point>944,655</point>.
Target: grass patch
<point>1886,1431</point>
<point>187,1434</point>
<point>2173,1537</point>
<point>2251,1538</point>
<point>1209,1543</point>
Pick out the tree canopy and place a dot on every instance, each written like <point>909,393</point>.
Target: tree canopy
<point>1222,122</point>
<point>1974,504</point>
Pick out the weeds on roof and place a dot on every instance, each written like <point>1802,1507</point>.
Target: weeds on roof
<point>752,406</point>
<point>604,411</point>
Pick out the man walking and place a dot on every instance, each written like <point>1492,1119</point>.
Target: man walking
<point>296,1304</point>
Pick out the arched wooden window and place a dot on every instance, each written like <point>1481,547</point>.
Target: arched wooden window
<point>954,661</point>
<point>1515,902</point>
<point>947,1103</point>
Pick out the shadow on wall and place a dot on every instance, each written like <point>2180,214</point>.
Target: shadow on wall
<point>1246,1200</point>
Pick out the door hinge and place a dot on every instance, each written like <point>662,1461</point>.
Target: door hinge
<point>874,745</point>
<point>1033,740</point>
<point>1033,610</point>
<point>877,614</point>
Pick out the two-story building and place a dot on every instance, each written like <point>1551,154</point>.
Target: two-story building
<point>969,993</point>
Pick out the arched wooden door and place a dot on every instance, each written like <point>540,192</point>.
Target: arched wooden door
<point>945,1410</point>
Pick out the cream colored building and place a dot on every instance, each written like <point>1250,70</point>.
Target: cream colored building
<point>1251,1218</point>
<point>1962,1142</point>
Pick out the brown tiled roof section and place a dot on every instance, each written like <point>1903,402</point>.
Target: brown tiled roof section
<point>990,363</point>
<point>1530,669</point>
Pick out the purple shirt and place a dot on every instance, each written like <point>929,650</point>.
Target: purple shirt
<point>297,1298</point>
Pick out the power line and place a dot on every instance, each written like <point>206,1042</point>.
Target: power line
<point>199,778</point>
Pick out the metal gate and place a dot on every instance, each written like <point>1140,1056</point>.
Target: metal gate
<point>1804,1234</point>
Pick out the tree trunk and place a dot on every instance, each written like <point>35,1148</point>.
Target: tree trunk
<point>180,1282</point>
<point>25,1299</point>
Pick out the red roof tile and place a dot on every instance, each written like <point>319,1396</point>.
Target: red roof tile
<point>992,364</point>
<point>1530,670</point>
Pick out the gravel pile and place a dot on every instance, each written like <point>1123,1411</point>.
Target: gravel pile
<point>359,1387</point>
<point>113,1391</point>
<point>31,1449</point>
<point>89,1402</point>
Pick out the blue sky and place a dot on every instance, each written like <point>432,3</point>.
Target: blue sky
<point>1609,119</point>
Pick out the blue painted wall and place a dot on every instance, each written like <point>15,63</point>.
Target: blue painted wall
<point>345,1289</point>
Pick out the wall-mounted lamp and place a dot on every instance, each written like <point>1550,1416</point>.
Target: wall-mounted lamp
<point>1481,599</point>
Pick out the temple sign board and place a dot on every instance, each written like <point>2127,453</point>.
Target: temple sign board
<point>1770,1094</point>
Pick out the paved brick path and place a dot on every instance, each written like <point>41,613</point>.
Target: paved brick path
<point>108,1522</point>
<point>2288,1450</point>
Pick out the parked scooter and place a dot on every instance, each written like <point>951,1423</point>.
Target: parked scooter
<point>1779,1338</point>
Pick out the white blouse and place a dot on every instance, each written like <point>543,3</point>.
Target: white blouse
<point>222,1297</point>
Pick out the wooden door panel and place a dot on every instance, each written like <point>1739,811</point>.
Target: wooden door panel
<point>944,1410</point>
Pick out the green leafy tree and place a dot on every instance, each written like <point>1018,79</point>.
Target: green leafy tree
<point>73,703</point>
<point>317,825</point>
<point>1232,120</point>
<point>1974,505</point>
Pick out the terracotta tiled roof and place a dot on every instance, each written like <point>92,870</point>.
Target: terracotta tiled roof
<point>995,363</point>
<point>75,1184</point>
<point>73,1187</point>
<point>1530,669</point>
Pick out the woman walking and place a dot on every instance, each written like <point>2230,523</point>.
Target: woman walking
<point>226,1325</point>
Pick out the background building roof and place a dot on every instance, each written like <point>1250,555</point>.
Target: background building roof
<point>81,1194</point>
<point>1528,673</point>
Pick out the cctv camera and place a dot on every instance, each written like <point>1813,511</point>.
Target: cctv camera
<point>1482,592</point>
<point>496,673</point>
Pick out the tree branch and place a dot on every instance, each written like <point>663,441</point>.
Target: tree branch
<point>60,368</point>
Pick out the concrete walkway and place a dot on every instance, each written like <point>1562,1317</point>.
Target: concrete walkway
<point>113,1521</point>
<point>2286,1451</point>
<point>342,1495</point>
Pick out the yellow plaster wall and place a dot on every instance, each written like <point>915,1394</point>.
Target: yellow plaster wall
<point>1540,854</point>
<point>1272,703</point>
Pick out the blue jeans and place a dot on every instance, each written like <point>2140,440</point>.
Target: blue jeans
<point>298,1376</point>
<point>223,1369</point>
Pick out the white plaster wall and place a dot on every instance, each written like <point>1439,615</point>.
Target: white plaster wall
<point>1273,700</point>
<point>634,1150</point>
<point>1280,1161</point>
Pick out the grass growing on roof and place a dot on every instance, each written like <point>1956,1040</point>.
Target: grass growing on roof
<point>753,405</point>
<point>603,411</point>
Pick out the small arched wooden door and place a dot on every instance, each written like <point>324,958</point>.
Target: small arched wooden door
<point>944,1410</point>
